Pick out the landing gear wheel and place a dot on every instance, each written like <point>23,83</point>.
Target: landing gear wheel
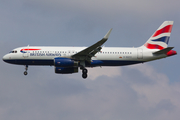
<point>84,75</point>
<point>26,68</point>
<point>25,73</point>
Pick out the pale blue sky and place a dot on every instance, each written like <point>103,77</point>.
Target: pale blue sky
<point>145,91</point>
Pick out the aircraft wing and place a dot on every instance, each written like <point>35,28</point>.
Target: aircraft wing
<point>89,52</point>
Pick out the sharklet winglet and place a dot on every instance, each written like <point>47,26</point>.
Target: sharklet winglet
<point>108,33</point>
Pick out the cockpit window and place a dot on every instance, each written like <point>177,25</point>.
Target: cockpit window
<point>14,51</point>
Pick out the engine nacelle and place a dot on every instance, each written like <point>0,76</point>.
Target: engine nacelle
<point>66,70</point>
<point>64,62</point>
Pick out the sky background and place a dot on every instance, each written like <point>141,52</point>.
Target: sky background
<point>149,91</point>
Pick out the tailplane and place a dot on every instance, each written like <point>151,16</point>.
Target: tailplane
<point>159,40</point>
<point>168,51</point>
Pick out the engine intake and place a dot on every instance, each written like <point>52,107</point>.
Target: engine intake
<point>64,62</point>
<point>66,70</point>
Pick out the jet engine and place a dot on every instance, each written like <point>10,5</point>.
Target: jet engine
<point>66,70</point>
<point>64,62</point>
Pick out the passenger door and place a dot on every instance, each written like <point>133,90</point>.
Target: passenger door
<point>140,53</point>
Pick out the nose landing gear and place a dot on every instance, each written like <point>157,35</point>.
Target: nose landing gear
<point>26,68</point>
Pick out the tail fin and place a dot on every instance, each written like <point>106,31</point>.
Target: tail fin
<point>159,40</point>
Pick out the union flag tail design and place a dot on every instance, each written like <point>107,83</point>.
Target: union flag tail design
<point>159,40</point>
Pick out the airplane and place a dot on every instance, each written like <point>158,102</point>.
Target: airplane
<point>68,60</point>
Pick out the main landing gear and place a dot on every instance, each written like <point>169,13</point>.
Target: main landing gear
<point>84,70</point>
<point>26,68</point>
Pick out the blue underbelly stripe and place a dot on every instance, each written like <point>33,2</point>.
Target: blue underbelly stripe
<point>93,63</point>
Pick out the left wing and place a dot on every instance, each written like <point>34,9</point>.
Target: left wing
<point>89,52</point>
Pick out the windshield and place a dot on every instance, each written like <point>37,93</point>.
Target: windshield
<point>14,51</point>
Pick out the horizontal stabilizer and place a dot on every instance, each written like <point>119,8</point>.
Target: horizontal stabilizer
<point>163,51</point>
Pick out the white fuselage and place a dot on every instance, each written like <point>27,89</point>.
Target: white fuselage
<point>108,56</point>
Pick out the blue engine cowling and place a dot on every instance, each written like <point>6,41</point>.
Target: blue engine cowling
<point>66,70</point>
<point>64,62</point>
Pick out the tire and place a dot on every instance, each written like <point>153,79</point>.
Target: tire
<point>84,75</point>
<point>25,73</point>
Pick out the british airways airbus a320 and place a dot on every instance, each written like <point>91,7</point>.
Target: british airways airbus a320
<point>67,60</point>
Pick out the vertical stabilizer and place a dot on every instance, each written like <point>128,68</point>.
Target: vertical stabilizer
<point>160,38</point>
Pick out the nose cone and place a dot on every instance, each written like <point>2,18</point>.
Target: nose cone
<point>5,58</point>
<point>8,59</point>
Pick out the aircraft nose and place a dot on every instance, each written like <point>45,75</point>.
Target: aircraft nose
<point>8,59</point>
<point>5,57</point>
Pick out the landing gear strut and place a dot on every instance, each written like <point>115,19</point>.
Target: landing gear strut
<point>26,68</point>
